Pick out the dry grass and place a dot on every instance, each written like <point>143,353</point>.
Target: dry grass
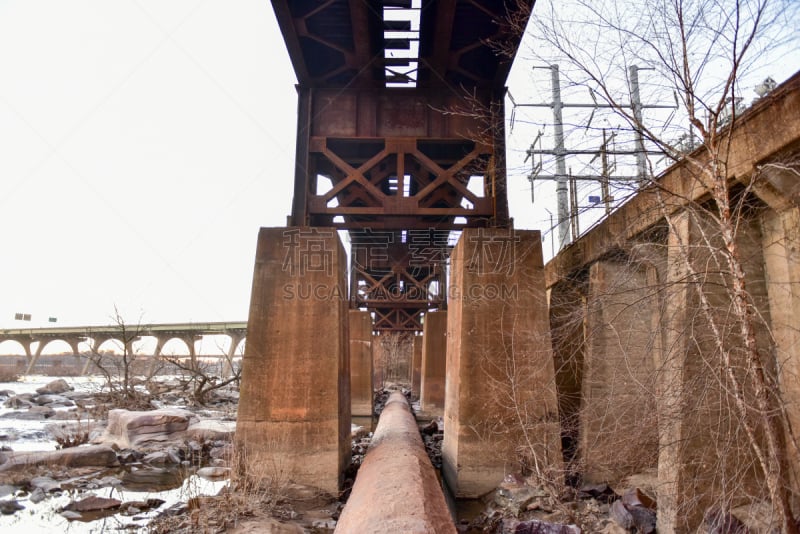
<point>9,374</point>
<point>258,488</point>
<point>70,434</point>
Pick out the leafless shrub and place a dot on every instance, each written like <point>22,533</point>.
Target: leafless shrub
<point>121,388</point>
<point>666,351</point>
<point>395,350</point>
<point>257,488</point>
<point>9,375</point>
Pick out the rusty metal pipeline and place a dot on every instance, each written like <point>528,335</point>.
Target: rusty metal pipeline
<point>396,490</point>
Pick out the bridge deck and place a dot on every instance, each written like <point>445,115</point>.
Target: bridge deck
<point>144,329</point>
<point>353,43</point>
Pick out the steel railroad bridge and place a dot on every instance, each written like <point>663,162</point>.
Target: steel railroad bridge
<point>400,136</point>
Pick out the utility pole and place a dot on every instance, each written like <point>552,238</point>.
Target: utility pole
<point>561,163</point>
<point>636,107</point>
<point>573,206</point>
<point>560,152</point>
<point>606,172</point>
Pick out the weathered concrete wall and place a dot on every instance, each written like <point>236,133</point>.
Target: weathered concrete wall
<point>377,362</point>
<point>679,280</point>
<point>705,457</point>
<point>361,389</point>
<point>500,390</point>
<point>618,385</point>
<point>567,328</point>
<point>434,363</point>
<point>294,409</point>
<point>781,243</point>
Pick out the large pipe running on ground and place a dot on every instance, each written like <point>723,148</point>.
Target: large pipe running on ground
<point>396,489</point>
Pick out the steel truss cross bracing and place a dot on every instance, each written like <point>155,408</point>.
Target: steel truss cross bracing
<point>400,137</point>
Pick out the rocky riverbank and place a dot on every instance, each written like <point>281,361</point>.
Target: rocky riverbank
<point>173,469</point>
<point>98,453</point>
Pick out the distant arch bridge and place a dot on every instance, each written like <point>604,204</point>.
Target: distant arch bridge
<point>95,336</point>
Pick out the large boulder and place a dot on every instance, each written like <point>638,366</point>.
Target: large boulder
<point>50,399</point>
<point>10,506</point>
<point>211,430</point>
<point>93,503</point>
<point>17,402</point>
<point>34,413</point>
<point>56,387</point>
<point>91,456</point>
<point>141,430</point>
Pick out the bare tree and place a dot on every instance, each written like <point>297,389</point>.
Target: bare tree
<point>395,353</point>
<point>118,370</point>
<point>205,377</point>
<point>702,52</point>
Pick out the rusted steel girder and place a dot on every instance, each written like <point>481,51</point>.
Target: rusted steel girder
<point>407,162</point>
<point>410,165</point>
<point>398,275</point>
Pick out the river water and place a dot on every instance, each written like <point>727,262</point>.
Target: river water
<point>171,486</point>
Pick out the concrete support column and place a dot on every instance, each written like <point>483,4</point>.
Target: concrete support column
<point>378,371</point>
<point>73,344</point>
<point>156,359</point>
<point>501,413</point>
<point>35,357</point>
<point>618,386</point>
<point>191,343</point>
<point>27,344</point>
<point>94,351</point>
<point>781,241</point>
<point>434,363</point>
<point>160,341</point>
<point>227,367</point>
<point>361,389</point>
<point>567,328</point>
<point>705,458</point>
<point>294,409</point>
<point>416,367</point>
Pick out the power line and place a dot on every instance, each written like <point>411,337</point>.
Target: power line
<point>566,215</point>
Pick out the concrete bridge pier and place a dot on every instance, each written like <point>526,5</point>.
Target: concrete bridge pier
<point>87,364</point>
<point>227,368</point>
<point>33,357</point>
<point>501,413</point>
<point>781,236</point>
<point>416,367</point>
<point>619,370</point>
<point>294,408</point>
<point>361,389</point>
<point>434,363</point>
<point>73,344</point>
<point>156,359</point>
<point>703,452</point>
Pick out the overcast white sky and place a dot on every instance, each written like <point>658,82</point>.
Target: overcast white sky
<point>142,145</point>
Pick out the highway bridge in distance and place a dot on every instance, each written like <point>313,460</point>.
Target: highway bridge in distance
<point>34,340</point>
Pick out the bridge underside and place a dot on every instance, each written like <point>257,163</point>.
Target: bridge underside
<point>400,137</point>
<point>397,172</point>
<point>400,145</point>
